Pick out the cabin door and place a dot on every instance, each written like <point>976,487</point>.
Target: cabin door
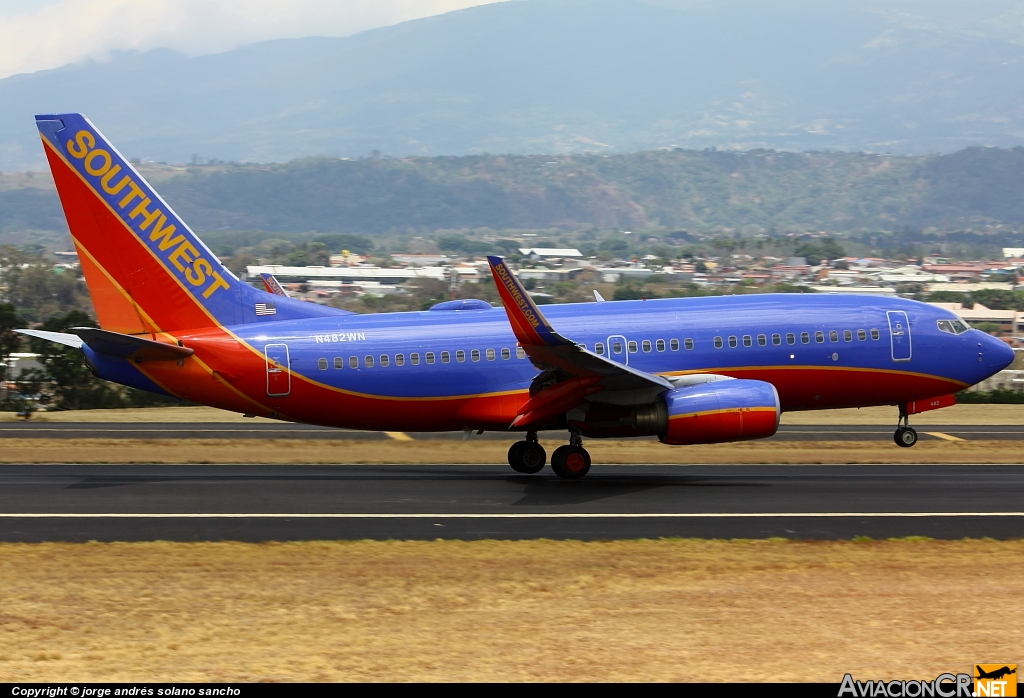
<point>279,375</point>
<point>899,333</point>
<point>617,349</point>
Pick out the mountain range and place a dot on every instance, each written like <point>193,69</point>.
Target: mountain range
<point>560,76</point>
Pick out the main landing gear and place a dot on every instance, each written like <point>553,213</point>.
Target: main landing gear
<point>527,456</point>
<point>905,436</point>
<point>570,462</point>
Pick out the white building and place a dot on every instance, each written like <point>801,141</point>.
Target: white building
<point>549,252</point>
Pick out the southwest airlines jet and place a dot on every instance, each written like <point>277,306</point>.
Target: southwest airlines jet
<point>173,320</point>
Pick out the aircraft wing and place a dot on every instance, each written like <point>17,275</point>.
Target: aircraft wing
<point>569,372</point>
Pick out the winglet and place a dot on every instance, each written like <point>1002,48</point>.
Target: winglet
<point>272,284</point>
<point>528,324</point>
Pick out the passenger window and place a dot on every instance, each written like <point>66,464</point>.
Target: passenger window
<point>646,345</point>
<point>475,355</point>
<point>520,353</point>
<point>847,336</point>
<point>862,335</point>
<point>746,340</point>
<point>776,339</point>
<point>599,349</point>
<point>460,356</point>
<point>732,341</point>
<point>505,353</point>
<point>384,360</point>
<point>761,340</point>
<point>321,364</point>
<point>673,344</point>
<point>790,338</point>
<point>833,336</point>
<point>718,342</point>
<point>819,337</point>
<point>429,357</point>
<point>414,359</point>
<point>688,344</point>
<point>874,334</point>
<point>445,357</point>
<point>660,345</point>
<point>368,361</point>
<point>339,362</point>
<point>632,347</point>
<point>399,359</point>
<point>490,355</point>
<point>353,362</point>
<point>805,338</point>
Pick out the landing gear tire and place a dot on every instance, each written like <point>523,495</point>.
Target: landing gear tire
<point>570,462</point>
<point>527,457</point>
<point>905,437</point>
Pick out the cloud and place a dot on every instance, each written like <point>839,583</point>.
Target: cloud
<point>65,31</point>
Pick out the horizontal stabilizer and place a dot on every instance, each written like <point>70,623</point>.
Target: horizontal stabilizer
<point>129,347</point>
<point>68,340</point>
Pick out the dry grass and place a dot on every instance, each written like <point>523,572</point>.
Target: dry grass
<point>303,451</point>
<point>489,610</point>
<point>958,414</point>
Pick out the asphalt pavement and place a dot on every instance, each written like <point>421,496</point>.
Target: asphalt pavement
<point>260,502</point>
<point>286,430</point>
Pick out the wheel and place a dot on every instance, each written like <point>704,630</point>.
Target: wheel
<point>570,462</point>
<point>905,437</point>
<point>513,453</point>
<point>527,457</point>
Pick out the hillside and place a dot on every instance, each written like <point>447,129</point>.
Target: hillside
<point>560,76</point>
<point>699,191</point>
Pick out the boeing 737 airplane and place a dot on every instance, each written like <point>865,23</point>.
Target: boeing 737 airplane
<point>173,320</point>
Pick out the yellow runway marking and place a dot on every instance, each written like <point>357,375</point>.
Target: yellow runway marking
<point>398,436</point>
<point>944,437</point>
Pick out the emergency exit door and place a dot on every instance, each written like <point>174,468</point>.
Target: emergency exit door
<point>279,375</point>
<point>899,334</point>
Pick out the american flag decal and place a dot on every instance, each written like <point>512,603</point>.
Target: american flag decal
<point>266,309</point>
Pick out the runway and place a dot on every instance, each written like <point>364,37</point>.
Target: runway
<point>286,430</point>
<point>263,503</point>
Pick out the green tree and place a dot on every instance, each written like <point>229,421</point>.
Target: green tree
<point>10,341</point>
<point>65,381</point>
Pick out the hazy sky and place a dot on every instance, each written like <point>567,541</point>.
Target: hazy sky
<point>40,34</point>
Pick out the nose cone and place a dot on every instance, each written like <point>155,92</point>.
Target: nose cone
<point>996,354</point>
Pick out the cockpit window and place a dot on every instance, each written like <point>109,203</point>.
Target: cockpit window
<point>953,326</point>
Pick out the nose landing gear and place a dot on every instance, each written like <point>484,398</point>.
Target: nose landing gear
<point>905,435</point>
<point>527,456</point>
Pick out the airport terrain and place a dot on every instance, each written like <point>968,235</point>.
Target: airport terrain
<point>680,610</point>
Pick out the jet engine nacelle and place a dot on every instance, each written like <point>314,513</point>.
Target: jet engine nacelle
<point>729,410</point>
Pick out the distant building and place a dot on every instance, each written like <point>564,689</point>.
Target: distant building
<point>971,287</point>
<point>351,275</point>
<point>1008,320</point>
<point>549,252</point>
<point>869,290</point>
<point>1013,251</point>
<point>421,260</point>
